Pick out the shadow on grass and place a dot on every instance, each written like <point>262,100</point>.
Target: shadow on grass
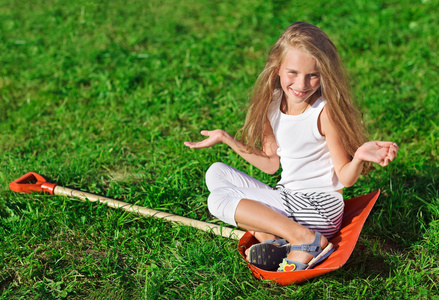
<point>365,262</point>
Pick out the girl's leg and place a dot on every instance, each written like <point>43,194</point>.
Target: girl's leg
<point>231,191</point>
<point>220,175</point>
<point>227,186</point>
<point>253,215</point>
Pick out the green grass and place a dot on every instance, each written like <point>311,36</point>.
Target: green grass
<point>100,96</point>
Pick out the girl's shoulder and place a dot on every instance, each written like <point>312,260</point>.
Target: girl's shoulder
<point>319,104</point>
<point>274,106</point>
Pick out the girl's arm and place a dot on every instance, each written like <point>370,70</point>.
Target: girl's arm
<point>266,159</point>
<point>348,170</point>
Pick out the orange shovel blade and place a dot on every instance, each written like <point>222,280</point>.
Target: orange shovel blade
<point>355,214</point>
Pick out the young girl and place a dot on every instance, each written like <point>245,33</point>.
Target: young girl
<point>302,117</point>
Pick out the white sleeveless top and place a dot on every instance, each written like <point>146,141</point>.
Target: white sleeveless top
<point>304,156</point>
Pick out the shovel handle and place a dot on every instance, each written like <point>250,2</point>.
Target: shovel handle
<point>34,182</point>
<point>216,229</point>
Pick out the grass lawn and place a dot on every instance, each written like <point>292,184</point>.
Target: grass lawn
<point>100,96</point>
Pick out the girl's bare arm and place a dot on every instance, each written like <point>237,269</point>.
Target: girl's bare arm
<point>266,159</point>
<point>349,170</point>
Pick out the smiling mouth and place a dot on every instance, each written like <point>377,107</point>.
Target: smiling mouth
<point>299,94</point>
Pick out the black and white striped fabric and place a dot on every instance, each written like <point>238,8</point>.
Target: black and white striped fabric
<point>320,212</point>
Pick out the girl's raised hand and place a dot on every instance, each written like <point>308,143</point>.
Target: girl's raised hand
<point>214,137</point>
<point>378,152</point>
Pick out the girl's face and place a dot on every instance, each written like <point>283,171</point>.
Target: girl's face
<point>299,76</point>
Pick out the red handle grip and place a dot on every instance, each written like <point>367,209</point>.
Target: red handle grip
<point>32,182</point>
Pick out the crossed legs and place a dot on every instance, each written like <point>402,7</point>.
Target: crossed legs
<point>231,201</point>
<point>267,224</point>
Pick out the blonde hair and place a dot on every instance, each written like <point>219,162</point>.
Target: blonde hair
<point>334,88</point>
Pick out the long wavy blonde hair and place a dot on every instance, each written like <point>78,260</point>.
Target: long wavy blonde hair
<point>334,88</point>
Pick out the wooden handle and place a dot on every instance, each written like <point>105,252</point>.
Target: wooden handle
<point>216,229</point>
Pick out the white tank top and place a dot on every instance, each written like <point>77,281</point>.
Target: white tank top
<point>304,156</point>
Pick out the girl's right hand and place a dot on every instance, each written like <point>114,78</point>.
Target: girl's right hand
<point>214,137</point>
<point>378,152</point>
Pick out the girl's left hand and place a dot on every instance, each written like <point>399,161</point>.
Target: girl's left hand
<point>378,152</point>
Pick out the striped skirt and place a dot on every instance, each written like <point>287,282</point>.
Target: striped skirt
<point>322,212</point>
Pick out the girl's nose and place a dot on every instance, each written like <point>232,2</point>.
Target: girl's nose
<point>300,82</point>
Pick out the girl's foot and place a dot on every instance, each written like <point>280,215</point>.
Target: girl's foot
<point>269,256</point>
<point>304,256</point>
<point>307,256</point>
<point>261,237</point>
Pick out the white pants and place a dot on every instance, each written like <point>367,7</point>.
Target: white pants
<point>320,212</point>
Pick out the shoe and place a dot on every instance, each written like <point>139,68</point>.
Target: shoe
<point>268,254</point>
<point>319,255</point>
